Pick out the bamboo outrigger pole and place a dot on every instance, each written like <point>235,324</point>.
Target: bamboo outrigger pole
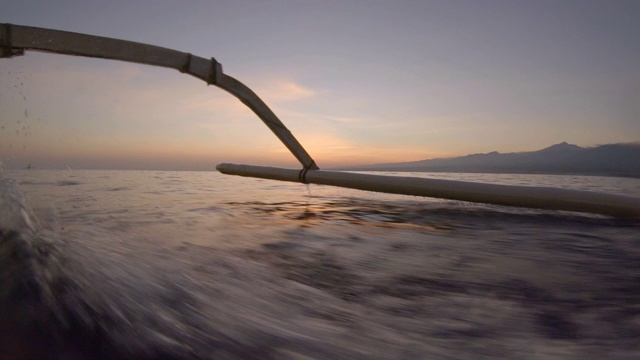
<point>508,195</point>
<point>15,39</point>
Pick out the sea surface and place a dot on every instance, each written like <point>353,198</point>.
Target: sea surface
<point>200,265</point>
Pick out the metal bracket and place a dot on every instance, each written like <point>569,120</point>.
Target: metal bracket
<point>6,50</point>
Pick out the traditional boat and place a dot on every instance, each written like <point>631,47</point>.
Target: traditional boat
<point>16,39</point>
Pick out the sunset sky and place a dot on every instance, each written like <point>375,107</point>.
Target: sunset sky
<point>355,81</point>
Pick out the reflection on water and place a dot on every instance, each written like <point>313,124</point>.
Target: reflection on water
<point>201,265</point>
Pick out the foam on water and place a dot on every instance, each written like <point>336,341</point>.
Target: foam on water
<point>13,210</point>
<point>197,265</point>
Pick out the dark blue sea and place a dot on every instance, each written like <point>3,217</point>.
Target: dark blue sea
<point>200,265</point>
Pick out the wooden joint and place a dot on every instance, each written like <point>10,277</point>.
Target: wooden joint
<point>6,48</point>
<point>302,175</point>
<point>215,72</point>
<point>187,64</point>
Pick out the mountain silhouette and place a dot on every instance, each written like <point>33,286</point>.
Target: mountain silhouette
<point>609,160</point>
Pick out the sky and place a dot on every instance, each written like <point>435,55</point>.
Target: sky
<point>357,82</point>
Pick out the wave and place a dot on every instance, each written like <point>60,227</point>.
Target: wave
<point>64,300</point>
<point>43,315</point>
<point>318,277</point>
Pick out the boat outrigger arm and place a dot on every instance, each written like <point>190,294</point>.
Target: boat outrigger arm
<point>15,40</point>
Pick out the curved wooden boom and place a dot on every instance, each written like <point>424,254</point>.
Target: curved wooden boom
<point>15,39</point>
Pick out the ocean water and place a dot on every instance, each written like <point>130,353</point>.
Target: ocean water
<point>200,265</point>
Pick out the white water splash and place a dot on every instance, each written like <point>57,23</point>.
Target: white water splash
<point>14,214</point>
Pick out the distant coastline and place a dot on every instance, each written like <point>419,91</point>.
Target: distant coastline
<point>619,160</point>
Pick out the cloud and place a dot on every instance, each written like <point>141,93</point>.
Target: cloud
<point>320,118</point>
<point>290,91</point>
<point>215,102</point>
<point>283,90</point>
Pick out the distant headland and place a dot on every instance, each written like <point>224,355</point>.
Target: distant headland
<point>606,160</point>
